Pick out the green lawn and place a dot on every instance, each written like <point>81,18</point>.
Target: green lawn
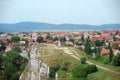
<point>82,53</point>
<point>116,68</point>
<point>103,75</point>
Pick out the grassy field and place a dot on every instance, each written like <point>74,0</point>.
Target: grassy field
<point>52,56</point>
<point>82,53</point>
<point>116,68</point>
<point>103,75</point>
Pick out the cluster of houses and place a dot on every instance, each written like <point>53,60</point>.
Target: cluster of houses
<point>108,36</point>
<point>111,38</point>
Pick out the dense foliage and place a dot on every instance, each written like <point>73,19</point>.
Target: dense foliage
<point>15,39</point>
<point>91,69</point>
<point>88,46</point>
<point>11,65</point>
<point>39,39</point>
<point>116,60</point>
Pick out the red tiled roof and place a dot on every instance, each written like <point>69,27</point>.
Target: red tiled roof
<point>116,42</point>
<point>48,41</point>
<point>22,47</point>
<point>118,45</point>
<point>69,43</point>
<point>107,51</point>
<point>12,43</point>
<point>5,39</point>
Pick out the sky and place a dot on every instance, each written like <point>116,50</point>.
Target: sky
<point>94,12</point>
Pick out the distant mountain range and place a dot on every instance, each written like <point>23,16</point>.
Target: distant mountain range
<point>37,26</point>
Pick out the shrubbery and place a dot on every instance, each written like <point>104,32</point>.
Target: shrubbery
<point>91,69</point>
<point>116,60</point>
<point>79,71</point>
<point>83,60</point>
<point>15,76</point>
<point>22,67</point>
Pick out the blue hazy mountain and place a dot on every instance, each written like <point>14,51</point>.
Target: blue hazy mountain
<point>39,26</point>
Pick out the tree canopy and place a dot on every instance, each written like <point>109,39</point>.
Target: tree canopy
<point>116,60</point>
<point>88,46</point>
<point>15,39</point>
<point>11,64</point>
<point>39,39</point>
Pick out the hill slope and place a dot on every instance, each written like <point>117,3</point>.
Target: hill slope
<point>36,26</point>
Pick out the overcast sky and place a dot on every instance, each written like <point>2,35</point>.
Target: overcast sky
<point>93,12</point>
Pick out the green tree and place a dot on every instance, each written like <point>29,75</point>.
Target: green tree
<point>48,37</point>
<point>98,43</point>
<point>83,60</point>
<point>9,70</point>
<point>115,46</point>
<point>91,69</point>
<point>52,72</point>
<point>28,54</point>
<point>15,76</point>
<point>15,39</point>
<point>39,39</point>
<point>55,38</point>
<point>116,60</point>
<point>17,49</point>
<point>62,39</point>
<point>82,38</point>
<point>79,71</point>
<point>111,55</point>
<point>11,65</point>
<point>88,46</point>
<point>2,46</point>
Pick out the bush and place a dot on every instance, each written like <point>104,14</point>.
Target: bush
<point>64,66</point>
<point>91,69</point>
<point>79,71</point>
<point>62,74</point>
<point>116,60</point>
<point>17,49</point>
<point>15,76</point>
<point>22,67</point>
<point>83,60</point>
<point>56,67</point>
<point>52,72</point>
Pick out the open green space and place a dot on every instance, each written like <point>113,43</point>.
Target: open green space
<point>53,56</point>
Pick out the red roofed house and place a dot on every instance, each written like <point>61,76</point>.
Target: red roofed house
<point>118,35</point>
<point>107,51</point>
<point>6,39</point>
<point>69,43</point>
<point>116,42</point>
<point>48,41</point>
<point>12,44</point>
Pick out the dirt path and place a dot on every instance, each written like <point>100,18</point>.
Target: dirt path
<point>67,51</point>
